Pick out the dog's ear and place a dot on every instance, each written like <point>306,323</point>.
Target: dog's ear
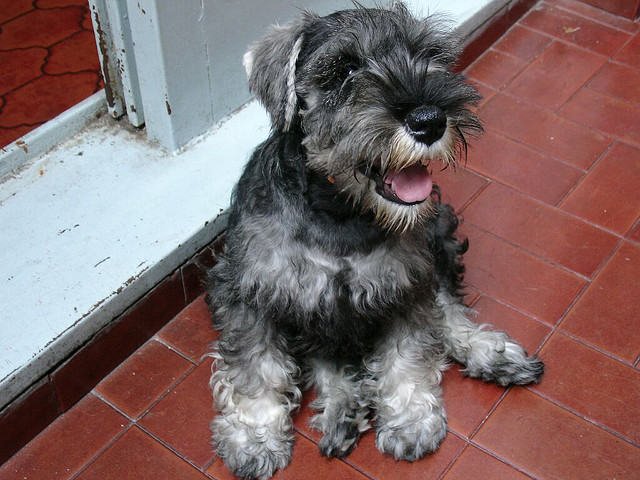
<point>271,70</point>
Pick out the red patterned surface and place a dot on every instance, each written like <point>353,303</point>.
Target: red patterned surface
<point>48,62</point>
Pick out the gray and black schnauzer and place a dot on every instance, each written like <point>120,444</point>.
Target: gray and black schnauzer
<point>342,270</point>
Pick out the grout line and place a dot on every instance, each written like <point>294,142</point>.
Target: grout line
<point>502,460</point>
<point>180,455</point>
<point>489,413</point>
<point>557,207</point>
<point>455,459</point>
<point>535,57</point>
<point>597,161</point>
<point>584,85</point>
<point>596,273</point>
<point>153,404</point>
<point>515,308</point>
<point>628,232</point>
<point>461,209</point>
<point>108,445</point>
<point>592,19</point>
<point>627,141</point>
<point>595,348</point>
<point>456,456</point>
<point>582,416</point>
<point>529,252</point>
<point>624,101</point>
<point>571,44</point>
<point>175,349</point>
<point>494,130</point>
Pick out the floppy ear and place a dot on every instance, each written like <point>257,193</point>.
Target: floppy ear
<point>271,70</point>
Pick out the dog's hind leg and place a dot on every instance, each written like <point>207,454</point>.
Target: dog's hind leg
<point>404,390</point>
<point>342,414</point>
<point>488,354</point>
<point>254,388</point>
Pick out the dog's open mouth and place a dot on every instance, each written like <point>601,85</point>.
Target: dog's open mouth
<point>409,186</point>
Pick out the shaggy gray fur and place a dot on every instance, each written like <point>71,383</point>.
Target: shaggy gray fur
<point>342,269</point>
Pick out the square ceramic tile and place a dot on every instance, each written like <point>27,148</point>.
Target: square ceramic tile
<point>572,28</point>
<point>548,442</point>
<point>538,228</point>
<point>474,463</point>
<point>485,91</point>
<point>467,401</point>
<point>458,185</point>
<point>522,167</point>
<point>522,43</point>
<point>609,195</point>
<point>597,14</point>
<point>518,278</point>
<point>564,69</point>
<point>137,455</point>
<point>542,130</point>
<point>592,384</point>
<point>634,233</point>
<point>68,444</point>
<point>630,53</point>
<point>605,114</point>
<point>495,69</point>
<point>607,314</point>
<point>126,334</point>
<point>306,463</point>
<point>624,8</point>
<point>138,382</point>
<point>618,81</point>
<point>191,332</point>
<point>181,419</point>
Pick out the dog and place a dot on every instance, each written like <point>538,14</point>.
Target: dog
<point>342,270</point>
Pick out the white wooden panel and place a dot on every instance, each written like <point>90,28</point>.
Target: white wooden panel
<point>230,26</point>
<point>103,32</point>
<point>125,60</point>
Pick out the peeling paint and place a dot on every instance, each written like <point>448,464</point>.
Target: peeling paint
<point>22,145</point>
<point>104,53</point>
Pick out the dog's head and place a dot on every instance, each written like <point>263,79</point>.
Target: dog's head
<point>376,101</point>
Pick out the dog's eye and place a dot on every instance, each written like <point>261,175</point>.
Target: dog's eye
<point>337,73</point>
<point>347,69</point>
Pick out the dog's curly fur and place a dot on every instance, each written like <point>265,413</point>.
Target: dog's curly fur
<point>333,275</point>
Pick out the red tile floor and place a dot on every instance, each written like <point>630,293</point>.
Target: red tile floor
<point>550,198</point>
<point>48,62</point>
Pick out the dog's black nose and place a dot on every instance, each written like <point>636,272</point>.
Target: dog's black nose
<point>426,124</point>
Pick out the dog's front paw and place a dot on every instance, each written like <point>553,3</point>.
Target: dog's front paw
<point>507,365</point>
<point>339,440</point>
<point>522,371</point>
<point>412,441</point>
<point>251,453</point>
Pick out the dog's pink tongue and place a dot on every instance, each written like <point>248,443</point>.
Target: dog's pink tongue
<point>412,184</point>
